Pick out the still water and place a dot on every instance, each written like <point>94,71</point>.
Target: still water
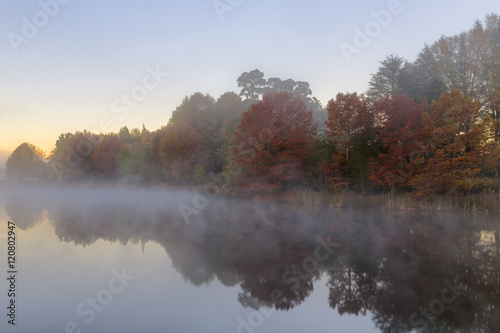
<point>152,260</point>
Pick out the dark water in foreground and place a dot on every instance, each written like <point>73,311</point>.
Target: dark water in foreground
<point>108,260</point>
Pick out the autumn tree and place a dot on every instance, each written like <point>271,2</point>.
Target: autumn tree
<point>254,86</point>
<point>272,142</point>
<point>400,134</point>
<point>490,157</point>
<point>26,162</point>
<point>454,140</point>
<point>470,61</point>
<point>302,90</point>
<point>349,123</point>
<point>179,151</point>
<point>348,115</point>
<point>105,153</point>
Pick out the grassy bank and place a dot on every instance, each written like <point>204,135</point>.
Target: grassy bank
<point>487,202</point>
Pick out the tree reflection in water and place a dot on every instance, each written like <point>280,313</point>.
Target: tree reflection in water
<point>388,264</point>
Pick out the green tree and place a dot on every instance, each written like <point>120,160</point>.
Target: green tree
<point>421,80</point>
<point>198,111</point>
<point>322,150</point>
<point>228,108</point>
<point>134,158</point>
<point>252,85</point>
<point>214,121</point>
<point>492,72</point>
<point>387,79</point>
<point>71,158</point>
<point>462,59</point>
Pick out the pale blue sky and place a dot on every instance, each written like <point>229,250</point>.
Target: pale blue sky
<point>90,53</point>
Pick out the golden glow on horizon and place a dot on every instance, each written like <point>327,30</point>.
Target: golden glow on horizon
<point>45,137</point>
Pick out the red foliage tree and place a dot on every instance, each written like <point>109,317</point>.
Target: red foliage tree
<point>348,115</point>
<point>272,143</point>
<point>104,155</point>
<point>400,134</point>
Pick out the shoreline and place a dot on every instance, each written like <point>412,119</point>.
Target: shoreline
<point>487,202</point>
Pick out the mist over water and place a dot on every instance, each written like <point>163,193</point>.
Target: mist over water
<point>246,265</point>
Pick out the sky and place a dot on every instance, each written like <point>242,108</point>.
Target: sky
<point>69,65</point>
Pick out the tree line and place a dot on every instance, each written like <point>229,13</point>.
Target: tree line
<point>423,127</point>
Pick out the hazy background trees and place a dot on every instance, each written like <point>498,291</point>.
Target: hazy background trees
<point>26,162</point>
<point>254,87</point>
<point>469,62</point>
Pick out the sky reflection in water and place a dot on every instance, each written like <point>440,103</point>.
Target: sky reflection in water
<point>245,267</point>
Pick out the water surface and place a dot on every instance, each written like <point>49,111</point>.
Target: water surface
<point>124,260</point>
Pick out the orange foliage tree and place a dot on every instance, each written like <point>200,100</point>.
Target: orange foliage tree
<point>272,143</point>
<point>349,115</point>
<point>455,140</point>
<point>400,133</point>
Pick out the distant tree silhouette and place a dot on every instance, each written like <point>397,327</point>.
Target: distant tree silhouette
<point>387,79</point>
<point>26,163</point>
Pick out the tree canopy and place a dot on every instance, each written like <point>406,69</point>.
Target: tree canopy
<point>272,142</point>
<point>26,162</point>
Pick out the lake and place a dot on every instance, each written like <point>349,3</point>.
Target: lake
<point>97,259</point>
